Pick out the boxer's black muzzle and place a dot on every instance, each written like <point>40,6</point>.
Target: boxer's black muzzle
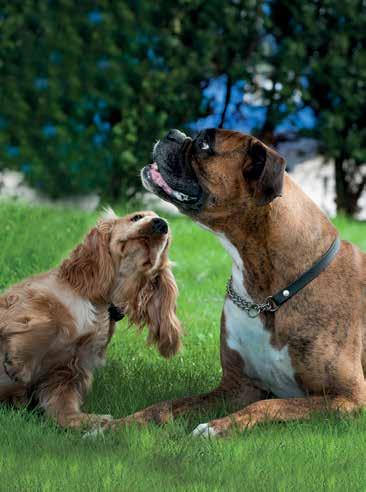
<point>171,175</point>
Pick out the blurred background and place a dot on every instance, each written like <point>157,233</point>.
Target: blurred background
<point>87,87</point>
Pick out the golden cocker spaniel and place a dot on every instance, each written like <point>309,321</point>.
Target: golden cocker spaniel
<point>55,327</point>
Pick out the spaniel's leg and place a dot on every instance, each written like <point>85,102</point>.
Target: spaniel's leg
<point>18,360</point>
<point>165,411</point>
<point>278,410</point>
<point>24,343</point>
<point>61,396</point>
<point>14,393</point>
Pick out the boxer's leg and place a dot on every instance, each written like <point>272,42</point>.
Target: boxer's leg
<point>163,412</point>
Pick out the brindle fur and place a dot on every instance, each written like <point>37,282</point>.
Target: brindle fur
<point>324,325</point>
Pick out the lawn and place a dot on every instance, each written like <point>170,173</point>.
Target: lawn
<point>322,454</point>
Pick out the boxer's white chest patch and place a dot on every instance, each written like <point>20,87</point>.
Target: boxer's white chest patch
<point>247,336</point>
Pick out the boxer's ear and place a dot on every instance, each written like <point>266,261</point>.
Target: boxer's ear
<point>264,172</point>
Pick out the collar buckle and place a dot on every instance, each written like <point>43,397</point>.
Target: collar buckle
<point>274,302</point>
<point>271,304</point>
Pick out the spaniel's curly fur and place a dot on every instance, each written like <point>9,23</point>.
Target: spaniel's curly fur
<point>55,327</point>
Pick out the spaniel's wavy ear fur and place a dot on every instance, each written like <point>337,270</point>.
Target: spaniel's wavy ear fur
<point>155,306</point>
<point>89,269</point>
<point>164,327</point>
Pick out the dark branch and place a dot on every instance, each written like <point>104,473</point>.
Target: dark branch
<point>360,188</point>
<point>229,84</point>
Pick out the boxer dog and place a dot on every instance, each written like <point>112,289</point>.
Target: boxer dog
<point>279,362</point>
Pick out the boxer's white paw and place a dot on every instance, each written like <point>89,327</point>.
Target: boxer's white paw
<point>98,428</point>
<point>93,434</point>
<point>204,430</point>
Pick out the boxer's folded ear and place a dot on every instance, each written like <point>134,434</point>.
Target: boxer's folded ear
<point>264,172</point>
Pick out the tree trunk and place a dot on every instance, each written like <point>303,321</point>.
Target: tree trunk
<point>346,197</point>
<point>227,100</point>
<point>115,184</point>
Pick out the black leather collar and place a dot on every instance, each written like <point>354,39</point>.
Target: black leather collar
<point>272,303</point>
<point>285,294</point>
<point>115,313</point>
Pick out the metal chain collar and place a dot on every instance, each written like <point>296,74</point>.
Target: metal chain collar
<point>272,303</point>
<point>251,308</point>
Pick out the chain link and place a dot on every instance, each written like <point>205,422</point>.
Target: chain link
<point>251,308</point>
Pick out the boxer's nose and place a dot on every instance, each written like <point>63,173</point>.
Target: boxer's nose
<point>176,136</point>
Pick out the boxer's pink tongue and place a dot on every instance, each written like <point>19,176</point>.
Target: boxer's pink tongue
<point>159,180</point>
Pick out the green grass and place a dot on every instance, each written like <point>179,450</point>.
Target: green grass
<point>322,454</point>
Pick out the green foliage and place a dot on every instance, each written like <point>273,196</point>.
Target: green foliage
<point>320,52</point>
<point>86,87</point>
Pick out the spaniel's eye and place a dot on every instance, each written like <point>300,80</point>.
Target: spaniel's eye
<point>204,145</point>
<point>137,217</point>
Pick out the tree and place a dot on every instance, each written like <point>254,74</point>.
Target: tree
<point>86,87</point>
<point>318,53</point>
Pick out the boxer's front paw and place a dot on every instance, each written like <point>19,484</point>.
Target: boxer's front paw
<point>213,429</point>
<point>204,430</point>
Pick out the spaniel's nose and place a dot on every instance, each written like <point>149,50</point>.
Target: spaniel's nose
<point>159,226</point>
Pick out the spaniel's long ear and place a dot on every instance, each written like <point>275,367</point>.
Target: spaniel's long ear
<point>164,327</point>
<point>89,269</point>
<point>264,172</point>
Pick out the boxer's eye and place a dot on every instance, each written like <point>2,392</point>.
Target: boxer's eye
<point>204,146</point>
